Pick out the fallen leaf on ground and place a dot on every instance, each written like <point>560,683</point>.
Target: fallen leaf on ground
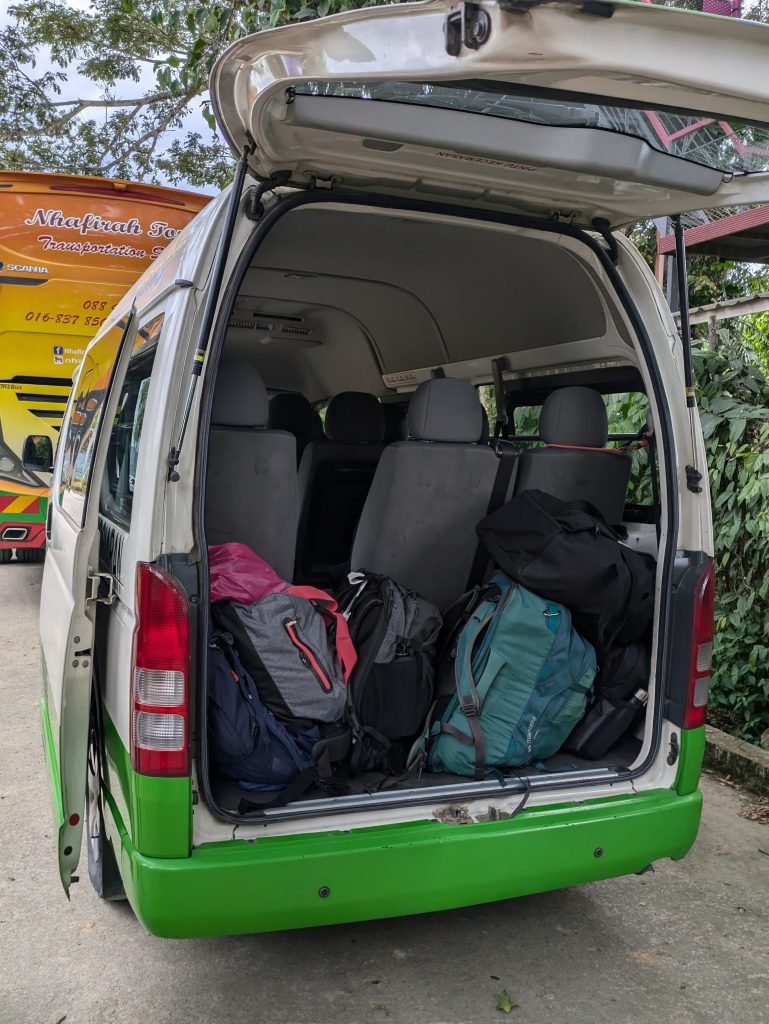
<point>757,812</point>
<point>644,956</point>
<point>87,924</point>
<point>504,1003</point>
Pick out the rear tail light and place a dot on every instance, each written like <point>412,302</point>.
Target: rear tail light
<point>702,650</point>
<point>160,676</point>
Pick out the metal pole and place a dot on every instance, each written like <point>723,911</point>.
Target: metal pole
<point>683,299</point>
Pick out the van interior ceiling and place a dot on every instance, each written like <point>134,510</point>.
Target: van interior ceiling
<point>347,308</point>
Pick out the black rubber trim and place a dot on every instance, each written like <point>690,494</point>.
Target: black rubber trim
<point>664,428</point>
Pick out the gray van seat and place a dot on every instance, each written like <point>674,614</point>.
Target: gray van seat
<point>583,470</point>
<point>334,479</point>
<point>251,493</point>
<point>293,412</point>
<point>418,523</point>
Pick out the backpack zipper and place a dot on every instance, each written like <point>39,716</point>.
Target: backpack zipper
<point>307,655</point>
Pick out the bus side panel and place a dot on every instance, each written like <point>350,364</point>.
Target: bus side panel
<point>69,250</point>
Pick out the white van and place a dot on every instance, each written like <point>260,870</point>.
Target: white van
<point>423,192</point>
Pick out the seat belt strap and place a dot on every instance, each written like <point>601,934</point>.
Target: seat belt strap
<point>505,469</point>
<point>498,366</point>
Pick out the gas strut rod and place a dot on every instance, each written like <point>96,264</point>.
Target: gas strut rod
<point>683,301</point>
<point>693,475</point>
<point>212,301</point>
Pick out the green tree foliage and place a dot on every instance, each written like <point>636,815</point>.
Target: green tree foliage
<point>147,66</point>
<point>734,408</point>
<point>732,375</point>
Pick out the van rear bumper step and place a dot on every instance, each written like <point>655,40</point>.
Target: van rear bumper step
<point>321,878</point>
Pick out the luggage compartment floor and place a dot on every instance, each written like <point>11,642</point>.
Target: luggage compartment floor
<point>621,755</point>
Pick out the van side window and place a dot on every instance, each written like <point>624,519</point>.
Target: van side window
<point>118,484</point>
<point>627,415</point>
<point>81,433</point>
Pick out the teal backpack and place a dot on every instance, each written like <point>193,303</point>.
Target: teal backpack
<point>522,677</point>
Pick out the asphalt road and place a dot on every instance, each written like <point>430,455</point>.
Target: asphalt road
<point>686,945</point>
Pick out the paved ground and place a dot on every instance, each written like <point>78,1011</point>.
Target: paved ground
<point>687,945</point>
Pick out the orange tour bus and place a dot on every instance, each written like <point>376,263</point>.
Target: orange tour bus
<point>70,247</point>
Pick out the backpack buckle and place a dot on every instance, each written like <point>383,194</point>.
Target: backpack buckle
<point>469,707</point>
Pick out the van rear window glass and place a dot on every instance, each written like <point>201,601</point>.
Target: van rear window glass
<point>77,446</point>
<point>731,147</point>
<point>626,415</point>
<point>119,481</point>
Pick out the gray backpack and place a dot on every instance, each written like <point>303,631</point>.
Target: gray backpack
<point>297,648</point>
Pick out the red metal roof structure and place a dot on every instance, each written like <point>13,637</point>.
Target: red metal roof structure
<point>740,233</point>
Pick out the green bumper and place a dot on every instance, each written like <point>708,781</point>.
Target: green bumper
<point>387,871</point>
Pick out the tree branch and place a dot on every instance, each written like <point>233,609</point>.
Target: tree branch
<point>81,105</point>
<point>35,85</point>
<point>155,132</point>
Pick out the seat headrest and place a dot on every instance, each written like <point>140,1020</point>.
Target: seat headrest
<point>395,422</point>
<point>294,414</point>
<point>445,409</point>
<point>355,416</point>
<point>240,397</point>
<point>575,416</point>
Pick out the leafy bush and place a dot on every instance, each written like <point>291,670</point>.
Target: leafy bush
<point>734,408</point>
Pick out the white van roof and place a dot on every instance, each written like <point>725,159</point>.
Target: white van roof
<point>576,110</point>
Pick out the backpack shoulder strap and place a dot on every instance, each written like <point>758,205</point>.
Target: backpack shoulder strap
<point>328,607</point>
<point>467,693</point>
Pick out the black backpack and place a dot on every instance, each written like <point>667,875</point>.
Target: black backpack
<point>390,691</point>
<point>568,553</point>
<point>620,695</point>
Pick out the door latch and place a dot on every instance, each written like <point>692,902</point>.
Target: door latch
<point>468,25</point>
<point>101,588</point>
<point>674,749</point>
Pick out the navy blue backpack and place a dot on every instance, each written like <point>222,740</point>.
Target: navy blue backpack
<point>247,744</point>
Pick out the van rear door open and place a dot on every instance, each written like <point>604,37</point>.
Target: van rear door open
<point>71,589</point>
<point>612,112</point>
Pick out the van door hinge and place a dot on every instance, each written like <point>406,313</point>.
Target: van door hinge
<point>101,588</point>
<point>468,25</point>
<point>674,749</point>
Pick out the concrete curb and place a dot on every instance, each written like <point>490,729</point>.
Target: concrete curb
<point>741,761</point>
